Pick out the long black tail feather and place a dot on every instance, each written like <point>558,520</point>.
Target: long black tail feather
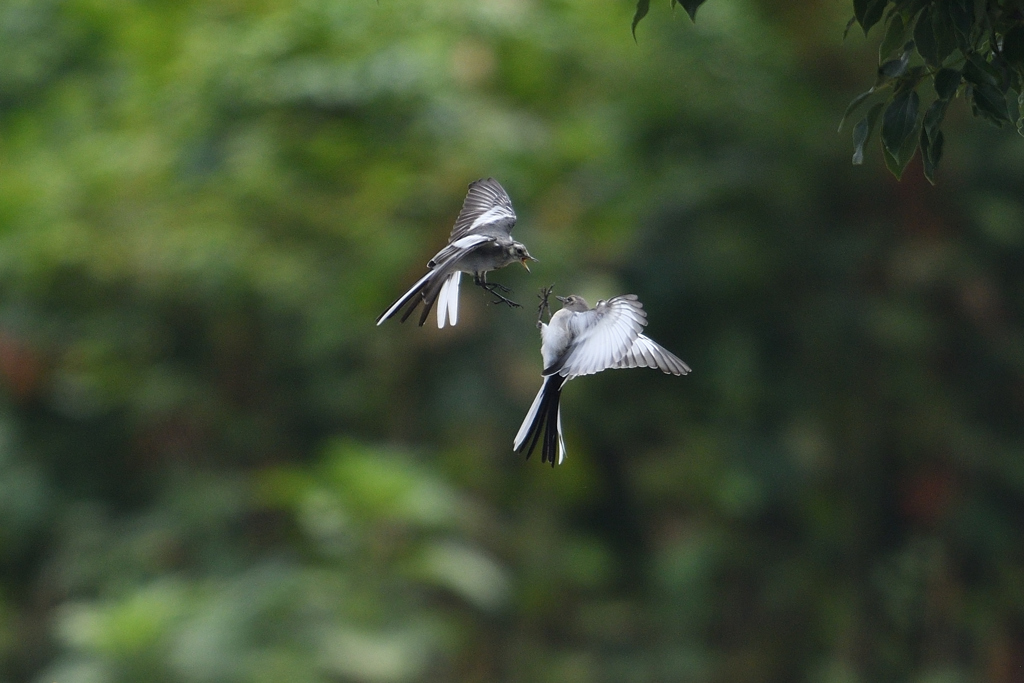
<point>411,305</point>
<point>545,422</point>
<point>421,295</point>
<point>430,293</point>
<point>409,301</point>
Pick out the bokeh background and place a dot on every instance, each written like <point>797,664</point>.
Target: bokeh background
<point>215,468</point>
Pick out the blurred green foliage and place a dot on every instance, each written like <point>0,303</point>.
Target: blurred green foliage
<point>214,467</point>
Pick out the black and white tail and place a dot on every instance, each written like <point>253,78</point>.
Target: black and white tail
<point>428,289</point>
<point>543,423</point>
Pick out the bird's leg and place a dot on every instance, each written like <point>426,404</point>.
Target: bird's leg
<point>480,279</point>
<point>495,284</point>
<point>545,292</point>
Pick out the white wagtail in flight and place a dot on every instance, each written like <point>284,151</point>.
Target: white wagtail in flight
<point>480,241</point>
<point>580,340</point>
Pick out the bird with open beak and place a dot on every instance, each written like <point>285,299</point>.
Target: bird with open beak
<point>480,242</point>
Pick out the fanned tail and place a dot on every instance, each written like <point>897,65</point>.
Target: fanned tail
<point>414,295</point>
<point>543,423</point>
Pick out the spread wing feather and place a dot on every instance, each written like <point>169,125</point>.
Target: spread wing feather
<point>601,336</point>
<point>646,353</point>
<point>487,208</point>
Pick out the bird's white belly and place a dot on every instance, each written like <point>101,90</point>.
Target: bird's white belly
<point>555,337</point>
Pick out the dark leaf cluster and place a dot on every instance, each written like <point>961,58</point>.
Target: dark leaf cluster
<point>643,6</point>
<point>962,47</point>
<point>972,49</point>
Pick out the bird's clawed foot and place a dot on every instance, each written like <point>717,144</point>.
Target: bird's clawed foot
<point>545,292</point>
<point>481,281</point>
<point>491,286</point>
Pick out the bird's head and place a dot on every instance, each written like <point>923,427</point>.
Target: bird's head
<point>519,253</point>
<point>574,302</point>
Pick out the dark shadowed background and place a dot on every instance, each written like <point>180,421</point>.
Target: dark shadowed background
<point>215,468</point>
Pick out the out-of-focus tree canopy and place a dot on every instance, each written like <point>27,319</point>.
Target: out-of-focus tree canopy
<point>965,48</point>
<point>215,468</point>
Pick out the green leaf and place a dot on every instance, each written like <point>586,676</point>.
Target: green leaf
<point>924,36</point>
<point>860,8</point>
<point>642,7</point>
<point>899,120</point>
<point>1020,114</point>
<point>961,14</point>
<point>897,162</point>
<point>946,83</point>
<point>854,104</point>
<point>1016,78</point>
<point>868,12</point>
<point>912,7</point>
<point>990,103</point>
<point>893,37</point>
<point>931,153</point>
<point>691,7</point>
<point>892,164</point>
<point>979,72</point>
<point>1013,46</point>
<point>936,154</point>
<point>894,68</point>
<point>933,118</point>
<point>849,25</point>
<point>862,132</point>
<point>874,14</point>
<point>945,37</point>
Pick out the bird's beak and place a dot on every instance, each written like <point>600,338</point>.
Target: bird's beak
<point>523,261</point>
<point>560,298</point>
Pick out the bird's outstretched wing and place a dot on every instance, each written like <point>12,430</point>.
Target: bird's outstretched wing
<point>486,210</point>
<point>646,353</point>
<point>600,337</point>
